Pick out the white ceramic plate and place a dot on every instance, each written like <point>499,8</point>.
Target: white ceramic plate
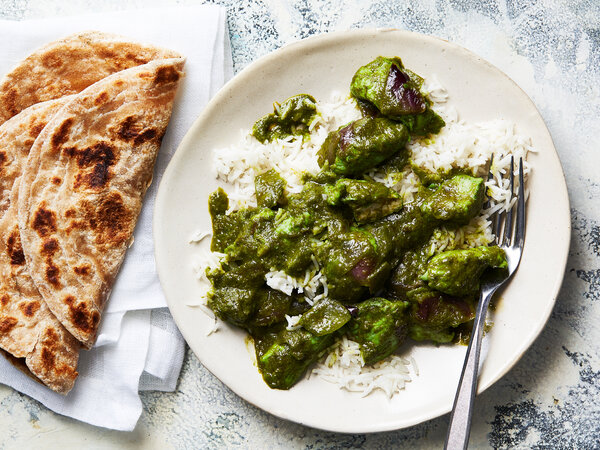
<point>318,66</point>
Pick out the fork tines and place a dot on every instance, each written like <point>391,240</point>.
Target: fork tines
<point>507,230</point>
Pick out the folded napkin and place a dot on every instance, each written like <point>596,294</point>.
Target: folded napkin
<point>139,346</point>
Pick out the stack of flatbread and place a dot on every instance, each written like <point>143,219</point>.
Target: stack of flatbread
<point>81,122</point>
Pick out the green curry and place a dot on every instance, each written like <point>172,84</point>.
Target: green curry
<point>292,117</point>
<point>372,248</point>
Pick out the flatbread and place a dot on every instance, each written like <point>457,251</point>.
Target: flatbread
<point>70,65</point>
<point>29,332</point>
<point>82,190</point>
<point>16,138</point>
<point>28,329</point>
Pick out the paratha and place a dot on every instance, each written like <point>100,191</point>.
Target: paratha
<point>29,332</point>
<point>16,138</point>
<point>70,65</point>
<point>82,190</point>
<point>28,329</point>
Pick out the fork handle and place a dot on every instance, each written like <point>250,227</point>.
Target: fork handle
<point>460,419</point>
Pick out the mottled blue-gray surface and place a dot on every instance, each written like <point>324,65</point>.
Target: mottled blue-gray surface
<point>551,398</point>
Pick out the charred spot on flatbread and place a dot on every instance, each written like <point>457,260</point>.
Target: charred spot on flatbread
<point>9,102</point>
<point>60,136</point>
<point>14,248</point>
<point>82,269</point>
<point>167,75</point>
<point>4,299</point>
<point>29,142</point>
<point>122,61</point>
<point>7,323</point>
<point>101,99</point>
<point>76,224</point>
<point>44,221</point>
<point>101,153</point>
<point>146,135</point>
<point>49,247</point>
<point>130,129</point>
<point>3,159</point>
<point>52,273</point>
<point>81,316</point>
<point>107,53</point>
<point>36,129</point>
<point>51,343</point>
<point>29,308</point>
<point>47,359</point>
<point>111,221</point>
<point>94,165</point>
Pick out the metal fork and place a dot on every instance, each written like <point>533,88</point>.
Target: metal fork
<point>512,243</point>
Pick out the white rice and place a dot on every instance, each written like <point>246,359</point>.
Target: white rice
<point>344,366</point>
<point>458,145</point>
<point>204,260</point>
<point>199,236</point>
<point>292,322</point>
<point>313,284</point>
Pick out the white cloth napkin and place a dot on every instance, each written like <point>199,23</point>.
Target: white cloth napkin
<point>139,346</point>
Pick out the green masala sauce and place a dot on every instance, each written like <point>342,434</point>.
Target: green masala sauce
<point>292,117</point>
<point>384,287</point>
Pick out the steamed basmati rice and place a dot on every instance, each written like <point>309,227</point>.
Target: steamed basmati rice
<point>345,367</point>
<point>459,145</point>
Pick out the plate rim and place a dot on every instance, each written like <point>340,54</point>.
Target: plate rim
<point>324,39</point>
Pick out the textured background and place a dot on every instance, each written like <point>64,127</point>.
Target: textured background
<point>550,399</point>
